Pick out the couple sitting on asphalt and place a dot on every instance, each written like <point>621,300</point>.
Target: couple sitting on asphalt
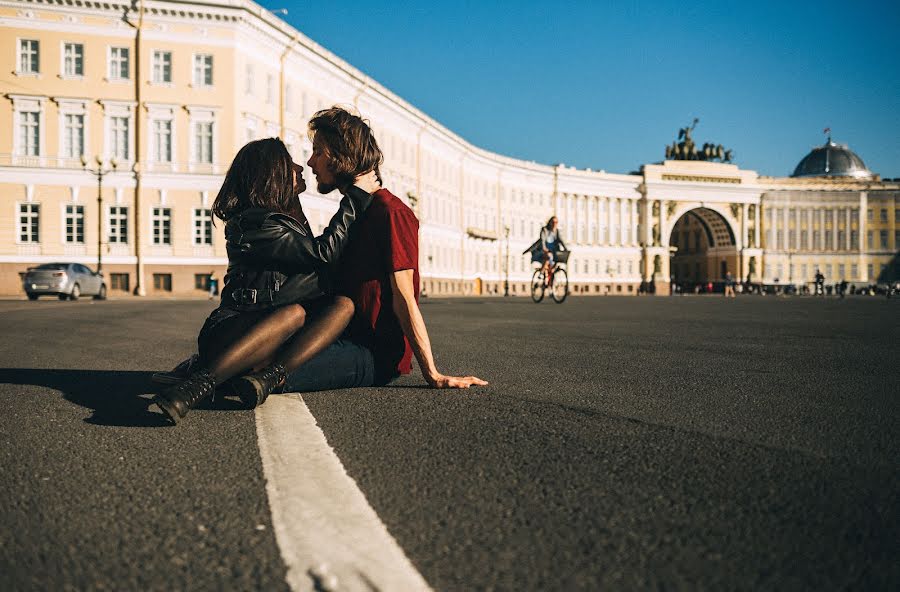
<point>306,313</point>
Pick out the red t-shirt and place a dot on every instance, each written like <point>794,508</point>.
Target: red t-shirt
<point>385,239</point>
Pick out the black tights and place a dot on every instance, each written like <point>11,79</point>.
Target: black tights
<point>277,338</point>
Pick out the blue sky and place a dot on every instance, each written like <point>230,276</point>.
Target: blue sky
<point>608,85</point>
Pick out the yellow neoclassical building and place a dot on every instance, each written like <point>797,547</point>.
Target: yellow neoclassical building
<point>121,117</point>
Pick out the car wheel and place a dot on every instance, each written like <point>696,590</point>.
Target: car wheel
<point>32,296</point>
<point>76,292</point>
<point>101,295</point>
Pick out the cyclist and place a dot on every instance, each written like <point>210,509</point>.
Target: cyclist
<point>549,243</point>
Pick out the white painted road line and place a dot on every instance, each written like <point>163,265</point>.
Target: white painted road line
<point>329,536</point>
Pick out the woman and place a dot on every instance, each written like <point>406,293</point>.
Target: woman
<point>278,278</point>
<point>545,248</point>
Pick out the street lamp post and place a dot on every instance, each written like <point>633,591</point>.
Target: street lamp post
<point>98,172</point>
<point>506,261</point>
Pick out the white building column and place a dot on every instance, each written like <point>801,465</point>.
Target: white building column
<point>744,228</point>
<point>848,215</point>
<point>756,229</point>
<point>863,243</point>
<point>787,228</point>
<point>607,220</point>
<point>663,215</point>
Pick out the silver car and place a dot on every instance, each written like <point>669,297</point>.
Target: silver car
<point>66,280</point>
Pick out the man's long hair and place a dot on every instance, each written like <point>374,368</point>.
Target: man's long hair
<point>348,143</point>
<point>260,176</point>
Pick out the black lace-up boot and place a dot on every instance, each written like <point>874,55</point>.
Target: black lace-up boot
<point>177,400</point>
<point>254,389</point>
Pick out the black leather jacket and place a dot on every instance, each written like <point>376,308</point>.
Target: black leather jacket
<point>274,259</point>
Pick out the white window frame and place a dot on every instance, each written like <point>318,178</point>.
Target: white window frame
<point>197,234</point>
<point>250,128</point>
<point>249,78</point>
<point>153,67</point>
<point>64,59</point>
<point>199,69</point>
<point>270,89</point>
<point>116,76</point>
<point>198,115</point>
<point>76,217</point>
<point>68,106</point>
<point>18,220</point>
<point>37,65</point>
<point>109,225</point>
<point>161,112</point>
<point>112,109</point>
<point>28,104</point>
<point>161,219</point>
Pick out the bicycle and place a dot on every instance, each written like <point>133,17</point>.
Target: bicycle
<point>556,280</point>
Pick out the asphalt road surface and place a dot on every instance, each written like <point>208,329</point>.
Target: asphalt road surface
<point>623,443</point>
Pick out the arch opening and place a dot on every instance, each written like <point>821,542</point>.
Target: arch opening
<point>703,250</point>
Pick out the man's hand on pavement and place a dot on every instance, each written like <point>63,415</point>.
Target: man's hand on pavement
<point>441,381</point>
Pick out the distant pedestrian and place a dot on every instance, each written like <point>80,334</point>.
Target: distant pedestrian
<point>729,285</point>
<point>213,285</point>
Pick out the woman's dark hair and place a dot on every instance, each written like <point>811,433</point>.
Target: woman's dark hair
<point>549,222</point>
<point>348,142</point>
<point>260,176</point>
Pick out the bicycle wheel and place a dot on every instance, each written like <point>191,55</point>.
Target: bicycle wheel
<point>537,285</point>
<point>560,287</point>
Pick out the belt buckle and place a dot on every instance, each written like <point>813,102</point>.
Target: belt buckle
<point>252,296</point>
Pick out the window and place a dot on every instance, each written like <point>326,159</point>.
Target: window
<point>162,140</point>
<point>75,224</point>
<point>162,281</point>
<point>119,137</point>
<point>202,227</point>
<point>162,67</point>
<point>870,242</point>
<point>162,226</point>
<point>897,215</point>
<point>883,239</point>
<point>842,243</point>
<point>897,239</point>
<point>203,69</point>
<point>883,215</point>
<point>73,135</point>
<point>29,223</point>
<point>73,60</point>
<point>118,63</point>
<point>119,281</point>
<point>270,89</point>
<point>29,56</point>
<point>870,271</point>
<point>29,133</point>
<point>870,215</point>
<point>288,98</point>
<point>203,142</point>
<point>201,281</point>
<point>248,79</point>
<point>854,271</point>
<point>118,224</point>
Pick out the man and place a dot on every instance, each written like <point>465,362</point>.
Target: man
<point>379,271</point>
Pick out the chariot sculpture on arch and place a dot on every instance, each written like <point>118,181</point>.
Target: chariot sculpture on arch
<point>686,148</point>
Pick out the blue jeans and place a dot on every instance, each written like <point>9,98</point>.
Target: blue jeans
<point>343,364</point>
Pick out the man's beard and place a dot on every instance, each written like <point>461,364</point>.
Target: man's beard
<point>325,188</point>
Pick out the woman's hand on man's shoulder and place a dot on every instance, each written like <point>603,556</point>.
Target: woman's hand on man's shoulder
<point>368,182</point>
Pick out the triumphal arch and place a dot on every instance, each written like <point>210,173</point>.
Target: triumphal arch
<point>700,216</point>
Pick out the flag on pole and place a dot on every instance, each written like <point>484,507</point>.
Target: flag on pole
<point>826,131</point>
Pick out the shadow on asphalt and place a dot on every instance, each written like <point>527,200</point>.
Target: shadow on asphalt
<point>117,398</point>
